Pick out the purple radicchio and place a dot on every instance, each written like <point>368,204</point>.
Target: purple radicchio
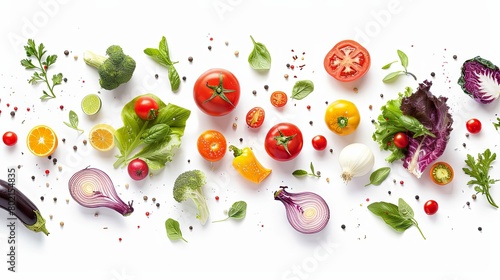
<point>480,79</point>
<point>434,114</point>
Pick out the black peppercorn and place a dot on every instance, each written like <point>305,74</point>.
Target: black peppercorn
<point>417,197</point>
<point>12,113</point>
<point>342,226</point>
<point>33,178</point>
<point>156,76</point>
<point>184,78</point>
<point>209,48</point>
<point>454,56</point>
<point>65,80</point>
<point>389,192</point>
<point>42,198</point>
<point>433,74</point>
<point>480,228</point>
<point>66,52</point>
<point>266,87</point>
<point>190,59</point>
<point>467,203</point>
<point>157,204</point>
<point>254,92</point>
<point>190,227</point>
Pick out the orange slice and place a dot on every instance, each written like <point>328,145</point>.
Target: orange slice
<point>102,137</point>
<point>42,141</point>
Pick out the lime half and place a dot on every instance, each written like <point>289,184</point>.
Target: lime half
<point>91,104</point>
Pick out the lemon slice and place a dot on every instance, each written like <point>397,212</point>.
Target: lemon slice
<point>91,104</point>
<point>101,137</point>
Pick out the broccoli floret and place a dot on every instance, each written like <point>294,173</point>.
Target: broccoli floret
<point>115,69</point>
<point>188,185</point>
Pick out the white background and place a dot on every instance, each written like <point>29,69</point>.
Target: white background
<point>263,245</point>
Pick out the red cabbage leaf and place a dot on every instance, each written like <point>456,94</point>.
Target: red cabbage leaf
<point>480,79</point>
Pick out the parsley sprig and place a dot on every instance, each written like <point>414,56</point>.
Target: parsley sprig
<point>44,62</point>
<point>478,169</point>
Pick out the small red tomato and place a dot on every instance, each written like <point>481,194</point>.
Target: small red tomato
<point>138,169</point>
<point>9,138</point>
<point>473,126</point>
<point>400,140</point>
<point>431,207</point>
<point>146,108</point>
<point>255,117</point>
<point>319,142</point>
<point>279,99</point>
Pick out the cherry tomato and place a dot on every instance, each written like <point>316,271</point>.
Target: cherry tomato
<point>255,117</point>
<point>279,98</point>
<point>138,169</point>
<point>216,92</point>
<point>441,173</point>
<point>146,108</point>
<point>319,142</point>
<point>342,117</point>
<point>283,141</point>
<point>212,145</point>
<point>9,138</point>
<point>473,126</point>
<point>431,207</point>
<point>400,140</point>
<point>347,61</point>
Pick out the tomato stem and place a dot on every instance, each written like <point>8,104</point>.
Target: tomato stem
<point>282,140</point>
<point>219,91</point>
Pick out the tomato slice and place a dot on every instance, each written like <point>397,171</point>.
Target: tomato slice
<point>347,61</point>
<point>279,98</point>
<point>255,117</point>
<point>441,173</point>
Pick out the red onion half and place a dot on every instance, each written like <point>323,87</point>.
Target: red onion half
<point>92,188</point>
<point>307,212</point>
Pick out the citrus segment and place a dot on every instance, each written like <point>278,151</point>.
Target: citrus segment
<point>91,104</point>
<point>41,141</point>
<point>102,138</point>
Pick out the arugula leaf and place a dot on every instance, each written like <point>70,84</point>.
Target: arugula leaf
<point>259,58</point>
<point>237,211</point>
<point>154,141</point>
<point>162,57</point>
<point>73,121</point>
<point>496,124</point>
<point>173,230</point>
<point>302,89</point>
<point>479,169</point>
<point>379,175</point>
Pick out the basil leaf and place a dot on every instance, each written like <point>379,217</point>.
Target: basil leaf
<point>302,89</point>
<point>389,64</point>
<point>390,214</point>
<point>403,58</point>
<point>300,172</point>
<point>379,175</point>
<point>73,119</point>
<point>238,210</point>
<point>173,230</point>
<point>162,57</point>
<point>155,134</point>
<point>391,77</point>
<point>405,210</point>
<point>259,58</point>
<point>173,76</point>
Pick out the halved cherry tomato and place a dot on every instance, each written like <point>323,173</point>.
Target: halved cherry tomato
<point>255,117</point>
<point>319,142</point>
<point>279,98</point>
<point>212,145</point>
<point>473,126</point>
<point>400,140</point>
<point>342,117</point>
<point>347,61</point>
<point>431,207</point>
<point>216,92</point>
<point>441,173</point>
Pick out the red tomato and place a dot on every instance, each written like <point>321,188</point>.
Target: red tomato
<point>319,142</point>
<point>473,126</point>
<point>255,117</point>
<point>431,207</point>
<point>400,140</point>
<point>283,141</point>
<point>138,169</point>
<point>9,138</point>
<point>212,145</point>
<point>146,108</point>
<point>347,61</point>
<point>279,98</point>
<point>216,92</point>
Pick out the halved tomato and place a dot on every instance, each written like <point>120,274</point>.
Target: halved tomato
<point>255,117</point>
<point>347,61</point>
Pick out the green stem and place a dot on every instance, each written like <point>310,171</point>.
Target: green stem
<point>489,198</point>
<point>44,72</point>
<point>411,74</point>
<point>416,225</point>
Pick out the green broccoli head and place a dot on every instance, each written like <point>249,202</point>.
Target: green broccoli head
<point>188,186</point>
<point>115,69</point>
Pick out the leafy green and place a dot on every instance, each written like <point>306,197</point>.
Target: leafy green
<point>379,175</point>
<point>497,124</point>
<point>154,141</point>
<point>44,63</point>
<point>162,57</point>
<point>400,217</point>
<point>173,230</point>
<point>302,89</point>
<point>259,58</point>
<point>73,121</point>
<point>393,76</point>
<point>301,172</point>
<point>237,211</point>
<point>479,169</point>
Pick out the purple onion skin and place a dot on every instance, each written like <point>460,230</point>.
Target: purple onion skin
<point>469,80</point>
<point>295,203</point>
<point>106,196</point>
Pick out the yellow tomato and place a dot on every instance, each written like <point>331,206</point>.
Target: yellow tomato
<point>342,117</point>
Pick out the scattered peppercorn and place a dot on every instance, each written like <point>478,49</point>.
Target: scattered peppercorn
<point>75,148</point>
<point>331,150</point>
<point>474,196</point>
<point>190,227</point>
<point>184,78</point>
<point>66,52</point>
<point>55,199</point>
<point>84,142</point>
<point>65,80</point>
<point>463,144</point>
<point>480,228</point>
<point>209,48</point>
<point>61,223</point>
<point>417,197</point>
<point>64,140</point>
<point>373,121</point>
<point>33,178</point>
<point>254,92</point>
<point>401,182</point>
<point>311,122</point>
<point>288,65</point>
<point>42,198</point>
<point>189,161</point>
<point>157,204</point>
<point>454,56</point>
<point>156,76</point>
<point>241,139</point>
<point>466,134</point>
<point>190,59</point>
<point>342,226</point>
<point>266,87</point>
<point>286,76</point>
<point>389,192</point>
<point>145,198</point>
<point>236,53</point>
<point>12,113</point>
<point>433,74</point>
<point>217,197</point>
<point>153,199</point>
<point>370,107</point>
<point>467,203</point>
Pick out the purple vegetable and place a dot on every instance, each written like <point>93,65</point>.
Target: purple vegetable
<point>93,188</point>
<point>480,80</point>
<point>307,212</point>
<point>434,114</point>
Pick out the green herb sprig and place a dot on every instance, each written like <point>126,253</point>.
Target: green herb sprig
<point>479,169</point>
<point>73,121</point>
<point>497,124</point>
<point>302,173</point>
<point>43,64</point>
<point>400,217</point>
<point>393,76</point>
<point>162,57</point>
<point>174,230</point>
<point>237,211</point>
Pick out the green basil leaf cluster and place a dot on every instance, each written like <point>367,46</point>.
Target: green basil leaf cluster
<point>302,172</point>
<point>154,141</point>
<point>259,58</point>
<point>162,57</point>
<point>173,230</point>
<point>393,76</point>
<point>400,217</point>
